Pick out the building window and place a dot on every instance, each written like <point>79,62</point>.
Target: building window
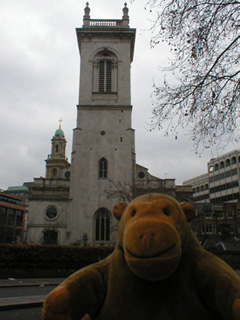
<point>105,76</point>
<point>227,163</point>
<point>51,213</point>
<point>230,214</point>
<point>3,216</point>
<point>219,214</point>
<point>208,215</point>
<point>56,148</point>
<point>105,72</point>
<point>216,167</point>
<point>219,229</point>
<point>54,171</point>
<point>19,218</point>
<point>141,174</point>
<point>67,174</point>
<point>11,217</point>
<point>221,165</point>
<point>234,160</point>
<point>208,228</point>
<point>103,167</point>
<point>102,225</point>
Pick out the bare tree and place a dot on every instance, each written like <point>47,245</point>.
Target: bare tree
<point>204,39</point>
<point>120,191</point>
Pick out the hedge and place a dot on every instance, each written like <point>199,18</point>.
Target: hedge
<point>47,260</point>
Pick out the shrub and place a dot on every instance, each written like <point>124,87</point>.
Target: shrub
<point>47,259</point>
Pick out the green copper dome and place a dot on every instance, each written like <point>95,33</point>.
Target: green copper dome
<point>59,133</point>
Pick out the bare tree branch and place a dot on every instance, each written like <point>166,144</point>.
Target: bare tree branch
<point>205,45</point>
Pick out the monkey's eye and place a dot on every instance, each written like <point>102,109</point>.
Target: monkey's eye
<point>133,213</point>
<point>166,211</point>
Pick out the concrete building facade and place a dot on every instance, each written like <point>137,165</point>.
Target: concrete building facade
<point>221,183</point>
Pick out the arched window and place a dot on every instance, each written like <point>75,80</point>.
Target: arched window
<point>103,168</point>
<point>54,171</point>
<point>234,160</point>
<point>221,164</point>
<point>216,167</point>
<point>227,163</point>
<point>105,72</point>
<point>50,237</point>
<point>56,148</point>
<point>102,225</point>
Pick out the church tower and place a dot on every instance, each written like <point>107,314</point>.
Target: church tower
<point>103,152</point>
<point>57,159</point>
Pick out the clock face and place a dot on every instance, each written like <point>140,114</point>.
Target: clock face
<point>51,213</point>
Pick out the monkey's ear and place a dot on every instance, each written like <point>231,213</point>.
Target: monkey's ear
<point>189,210</point>
<point>118,209</point>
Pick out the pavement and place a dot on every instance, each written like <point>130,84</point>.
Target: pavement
<point>28,301</point>
<point>25,301</point>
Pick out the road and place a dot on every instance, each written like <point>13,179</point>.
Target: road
<point>21,314</point>
<point>25,291</point>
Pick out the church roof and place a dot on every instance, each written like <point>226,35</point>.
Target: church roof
<point>18,188</point>
<point>59,133</point>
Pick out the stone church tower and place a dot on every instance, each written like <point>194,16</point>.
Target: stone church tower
<point>73,203</point>
<point>103,152</point>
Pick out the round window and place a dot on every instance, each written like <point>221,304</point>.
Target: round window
<point>103,133</point>
<point>51,213</point>
<point>141,174</point>
<point>67,174</point>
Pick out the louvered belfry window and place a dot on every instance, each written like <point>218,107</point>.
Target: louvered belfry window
<point>105,76</point>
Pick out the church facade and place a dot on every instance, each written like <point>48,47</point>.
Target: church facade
<point>73,203</point>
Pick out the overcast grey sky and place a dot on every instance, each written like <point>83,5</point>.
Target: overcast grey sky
<point>39,81</point>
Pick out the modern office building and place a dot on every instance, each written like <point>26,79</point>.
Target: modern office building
<point>13,219</point>
<point>221,183</point>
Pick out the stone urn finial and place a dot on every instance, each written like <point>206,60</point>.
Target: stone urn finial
<point>125,11</point>
<point>86,17</point>
<point>87,11</point>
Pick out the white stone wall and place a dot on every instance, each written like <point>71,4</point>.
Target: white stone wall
<point>89,48</point>
<point>88,191</point>
<point>38,222</point>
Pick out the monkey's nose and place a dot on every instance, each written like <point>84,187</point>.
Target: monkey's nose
<point>147,238</point>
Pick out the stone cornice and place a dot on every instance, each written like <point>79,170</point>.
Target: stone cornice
<point>104,107</point>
